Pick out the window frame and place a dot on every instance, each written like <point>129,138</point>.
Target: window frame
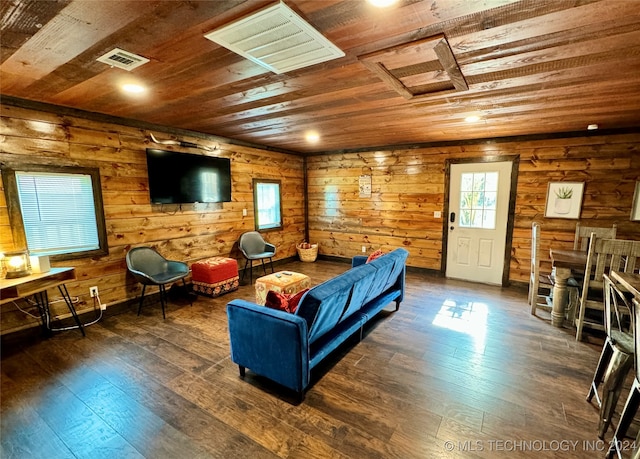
<point>15,213</point>
<point>256,209</point>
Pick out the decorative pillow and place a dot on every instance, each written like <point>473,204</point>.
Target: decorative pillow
<point>276,300</point>
<point>295,300</point>
<point>377,254</point>
<point>287,302</point>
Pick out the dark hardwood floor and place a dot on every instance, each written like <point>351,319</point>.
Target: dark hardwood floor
<point>461,370</point>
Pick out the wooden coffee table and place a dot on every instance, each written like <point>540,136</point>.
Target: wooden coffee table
<point>281,282</point>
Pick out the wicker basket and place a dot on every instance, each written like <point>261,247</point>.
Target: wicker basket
<point>308,255</point>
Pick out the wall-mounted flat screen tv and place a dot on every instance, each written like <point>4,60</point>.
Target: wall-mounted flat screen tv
<point>181,178</point>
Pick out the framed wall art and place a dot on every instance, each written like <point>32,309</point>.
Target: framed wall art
<point>564,200</point>
<point>364,185</point>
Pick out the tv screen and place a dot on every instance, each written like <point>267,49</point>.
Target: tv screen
<point>180,178</point>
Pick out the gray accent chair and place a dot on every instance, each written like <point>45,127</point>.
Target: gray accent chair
<point>254,247</point>
<point>151,268</point>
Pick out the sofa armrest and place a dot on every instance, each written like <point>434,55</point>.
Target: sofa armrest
<point>358,260</point>
<point>269,342</point>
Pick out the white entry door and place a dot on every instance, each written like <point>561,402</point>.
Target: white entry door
<point>477,226</point>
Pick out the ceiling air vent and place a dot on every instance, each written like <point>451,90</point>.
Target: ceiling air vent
<point>277,39</point>
<point>123,59</point>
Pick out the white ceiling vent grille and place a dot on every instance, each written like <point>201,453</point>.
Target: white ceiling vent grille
<point>277,39</point>
<point>122,59</point>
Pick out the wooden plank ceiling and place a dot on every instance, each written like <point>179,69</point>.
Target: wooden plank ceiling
<point>412,72</point>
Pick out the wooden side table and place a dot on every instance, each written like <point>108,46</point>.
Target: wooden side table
<point>281,282</point>
<point>36,285</point>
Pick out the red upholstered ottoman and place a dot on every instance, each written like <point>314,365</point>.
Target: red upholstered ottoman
<point>215,276</point>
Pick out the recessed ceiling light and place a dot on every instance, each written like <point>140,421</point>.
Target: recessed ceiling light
<point>472,118</point>
<point>592,127</point>
<point>312,137</point>
<point>133,88</point>
<point>382,3</point>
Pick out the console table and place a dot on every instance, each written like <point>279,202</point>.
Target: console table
<point>36,285</point>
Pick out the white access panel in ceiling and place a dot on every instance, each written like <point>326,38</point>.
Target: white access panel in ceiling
<point>276,38</point>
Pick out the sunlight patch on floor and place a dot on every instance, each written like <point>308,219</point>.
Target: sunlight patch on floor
<point>469,318</point>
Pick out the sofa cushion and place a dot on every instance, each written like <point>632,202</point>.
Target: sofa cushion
<point>389,268</point>
<point>327,304</point>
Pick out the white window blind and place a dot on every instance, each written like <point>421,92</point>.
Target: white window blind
<point>58,212</point>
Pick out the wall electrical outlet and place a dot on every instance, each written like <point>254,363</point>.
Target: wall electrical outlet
<point>437,214</point>
<point>103,306</point>
<point>364,249</point>
<point>244,212</point>
<point>93,291</point>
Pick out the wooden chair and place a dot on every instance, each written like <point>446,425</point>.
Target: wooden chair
<point>540,285</point>
<point>616,358</point>
<point>617,443</point>
<point>583,233</point>
<point>604,255</point>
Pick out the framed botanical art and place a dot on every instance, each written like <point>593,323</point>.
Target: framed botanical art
<point>564,200</point>
<point>635,205</point>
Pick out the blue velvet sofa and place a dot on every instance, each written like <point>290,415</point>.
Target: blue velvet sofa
<point>284,347</point>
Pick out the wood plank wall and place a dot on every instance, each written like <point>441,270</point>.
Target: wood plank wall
<point>187,233</point>
<point>408,186</point>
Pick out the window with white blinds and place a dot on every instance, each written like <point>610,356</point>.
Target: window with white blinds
<point>267,202</point>
<point>58,212</point>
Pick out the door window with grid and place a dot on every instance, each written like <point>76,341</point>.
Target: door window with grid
<point>478,198</point>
